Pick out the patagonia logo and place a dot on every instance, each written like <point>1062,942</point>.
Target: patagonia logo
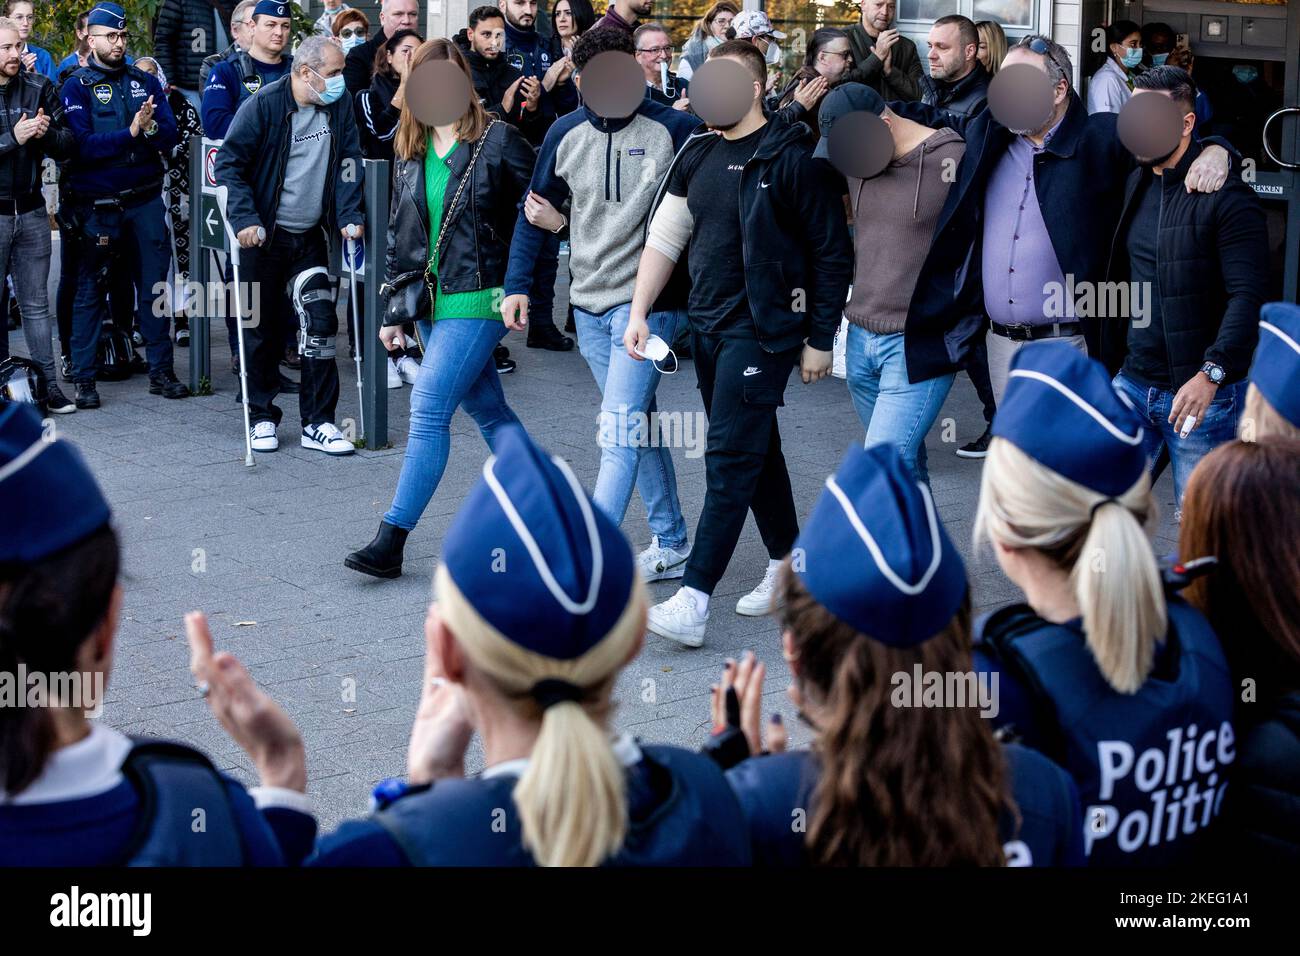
<point>253,85</point>
<point>639,151</point>
<point>103,92</point>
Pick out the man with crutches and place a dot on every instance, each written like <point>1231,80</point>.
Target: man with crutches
<point>291,162</point>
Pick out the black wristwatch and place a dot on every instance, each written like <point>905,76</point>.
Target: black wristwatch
<point>1213,372</point>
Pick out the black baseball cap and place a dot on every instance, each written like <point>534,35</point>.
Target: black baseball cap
<point>845,98</point>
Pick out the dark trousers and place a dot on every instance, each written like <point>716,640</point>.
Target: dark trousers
<point>541,298</point>
<point>268,272</point>
<point>977,367</point>
<point>742,386</point>
<point>121,286</point>
<point>107,232</point>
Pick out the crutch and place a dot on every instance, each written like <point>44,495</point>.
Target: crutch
<point>239,323</point>
<point>350,254</point>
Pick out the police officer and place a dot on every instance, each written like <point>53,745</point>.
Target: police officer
<point>524,645</point>
<point>74,791</point>
<point>1124,687</point>
<point>292,163</point>
<point>123,127</point>
<point>874,590</point>
<point>1273,396</point>
<point>236,78</point>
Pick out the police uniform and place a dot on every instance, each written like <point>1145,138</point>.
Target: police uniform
<point>875,555</point>
<point>534,558</point>
<point>1276,368</point>
<point>109,799</point>
<point>113,194</point>
<point>238,76</point>
<point>1152,766</point>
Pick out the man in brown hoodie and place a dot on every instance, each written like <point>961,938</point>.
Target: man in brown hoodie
<point>895,214</point>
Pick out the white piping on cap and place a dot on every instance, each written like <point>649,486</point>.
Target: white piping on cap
<point>530,543</point>
<point>1102,420</point>
<point>25,459</point>
<point>878,556</point>
<point>1270,327</point>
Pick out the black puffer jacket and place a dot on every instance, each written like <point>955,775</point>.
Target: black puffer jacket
<point>1260,819</point>
<point>476,247</point>
<point>174,39</point>
<point>966,97</point>
<point>1212,271</point>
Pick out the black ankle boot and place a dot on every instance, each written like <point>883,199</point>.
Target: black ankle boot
<point>382,557</point>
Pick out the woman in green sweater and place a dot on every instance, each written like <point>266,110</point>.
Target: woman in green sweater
<point>456,194</point>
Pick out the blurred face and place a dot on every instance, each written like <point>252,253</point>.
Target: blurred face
<point>270,34</point>
<point>489,38</point>
<point>651,50</point>
<point>1038,62</point>
<point>563,17</point>
<point>399,15</point>
<point>520,13</point>
<point>24,14</point>
<point>1189,124</point>
<point>109,46</point>
<point>948,57</point>
<point>878,14</point>
<point>10,60</point>
<point>833,60</point>
<point>721,23</point>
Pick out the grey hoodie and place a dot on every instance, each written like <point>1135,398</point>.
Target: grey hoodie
<point>895,215</point>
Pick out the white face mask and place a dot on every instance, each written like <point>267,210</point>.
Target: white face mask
<point>657,350</point>
<point>773,54</point>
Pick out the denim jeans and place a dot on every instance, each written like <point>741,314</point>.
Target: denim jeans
<point>457,370</point>
<point>1218,426</point>
<point>25,250</point>
<point>892,409</point>
<point>627,389</point>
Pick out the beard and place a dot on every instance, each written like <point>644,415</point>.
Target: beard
<point>112,58</point>
<point>12,67</point>
<point>524,21</point>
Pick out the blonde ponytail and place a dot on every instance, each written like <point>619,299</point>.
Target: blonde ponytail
<point>1101,542</point>
<point>572,798</point>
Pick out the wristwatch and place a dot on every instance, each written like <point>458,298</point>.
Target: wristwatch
<point>153,129</point>
<point>1213,372</point>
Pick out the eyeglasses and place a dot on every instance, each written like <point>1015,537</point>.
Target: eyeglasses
<point>655,50</point>
<point>845,55</point>
<point>114,38</point>
<point>348,33</point>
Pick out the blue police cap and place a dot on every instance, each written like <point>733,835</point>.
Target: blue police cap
<point>107,15</point>
<point>272,8</point>
<point>51,499</point>
<point>1060,409</point>
<point>1276,370</point>
<point>534,557</point>
<point>875,555</point>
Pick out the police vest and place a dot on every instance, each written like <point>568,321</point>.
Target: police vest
<point>114,101</point>
<point>1151,767</point>
<point>250,81</point>
<point>681,813</point>
<point>173,781</point>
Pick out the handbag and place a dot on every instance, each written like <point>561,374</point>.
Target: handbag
<point>405,298</point>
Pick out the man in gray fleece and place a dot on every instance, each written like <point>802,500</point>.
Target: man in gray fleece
<point>895,215</point>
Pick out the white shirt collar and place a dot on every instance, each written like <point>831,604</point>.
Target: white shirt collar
<point>91,766</point>
<point>626,752</point>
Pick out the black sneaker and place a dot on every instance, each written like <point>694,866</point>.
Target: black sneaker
<point>87,395</point>
<point>979,448</point>
<point>167,385</point>
<point>65,368</point>
<point>550,338</point>
<point>57,402</point>
<point>505,364</point>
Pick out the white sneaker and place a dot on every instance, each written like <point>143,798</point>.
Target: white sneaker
<point>409,369</point>
<point>679,620</point>
<point>264,438</point>
<point>394,377</point>
<point>758,602</point>
<point>326,437</point>
<point>661,564</point>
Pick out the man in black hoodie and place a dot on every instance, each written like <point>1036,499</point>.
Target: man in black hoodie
<point>752,193</point>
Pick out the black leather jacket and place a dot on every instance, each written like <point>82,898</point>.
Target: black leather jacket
<point>476,247</point>
<point>20,166</point>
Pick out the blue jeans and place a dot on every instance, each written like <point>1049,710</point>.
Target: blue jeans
<point>145,227</point>
<point>25,250</point>
<point>628,388</point>
<point>457,369</point>
<point>892,409</point>
<point>1218,426</point>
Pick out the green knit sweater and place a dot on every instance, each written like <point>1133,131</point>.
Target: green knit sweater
<point>451,305</point>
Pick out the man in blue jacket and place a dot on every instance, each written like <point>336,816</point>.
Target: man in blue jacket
<point>123,127</point>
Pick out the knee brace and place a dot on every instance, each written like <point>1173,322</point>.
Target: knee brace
<point>313,302</point>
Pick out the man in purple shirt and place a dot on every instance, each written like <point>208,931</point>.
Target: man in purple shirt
<point>624,15</point>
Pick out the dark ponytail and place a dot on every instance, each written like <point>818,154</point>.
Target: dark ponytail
<point>47,611</point>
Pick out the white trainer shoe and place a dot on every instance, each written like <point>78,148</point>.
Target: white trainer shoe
<point>264,438</point>
<point>678,619</point>
<point>394,377</point>
<point>326,437</point>
<point>758,602</point>
<point>661,564</point>
<point>409,369</point>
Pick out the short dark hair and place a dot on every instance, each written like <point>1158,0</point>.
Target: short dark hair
<point>820,38</point>
<point>1120,29</point>
<point>747,53</point>
<point>966,31</point>
<point>485,12</point>
<point>1150,31</point>
<point>1174,80</point>
<point>601,40</point>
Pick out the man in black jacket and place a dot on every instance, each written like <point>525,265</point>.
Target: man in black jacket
<point>394,15</point>
<point>770,264</point>
<point>500,86</point>
<point>184,33</point>
<point>883,58</point>
<point>293,167</point>
<point>1198,267</point>
<point>958,81</point>
<point>32,127</point>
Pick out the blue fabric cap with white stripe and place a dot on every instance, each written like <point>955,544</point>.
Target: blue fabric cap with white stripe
<point>875,555</point>
<point>107,15</point>
<point>1061,410</point>
<point>1276,370</point>
<point>534,557</point>
<point>50,498</point>
<point>272,8</point>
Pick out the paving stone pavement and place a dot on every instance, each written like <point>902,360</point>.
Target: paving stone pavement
<point>261,551</point>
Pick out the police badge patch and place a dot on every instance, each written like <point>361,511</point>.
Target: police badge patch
<point>103,92</point>
<point>253,85</point>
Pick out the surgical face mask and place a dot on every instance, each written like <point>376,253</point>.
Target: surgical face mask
<point>656,350</point>
<point>1132,57</point>
<point>1158,59</point>
<point>334,88</point>
<point>1245,73</point>
<point>353,42</point>
<point>773,54</point>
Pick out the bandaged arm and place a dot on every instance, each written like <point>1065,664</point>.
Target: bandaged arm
<point>670,232</point>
